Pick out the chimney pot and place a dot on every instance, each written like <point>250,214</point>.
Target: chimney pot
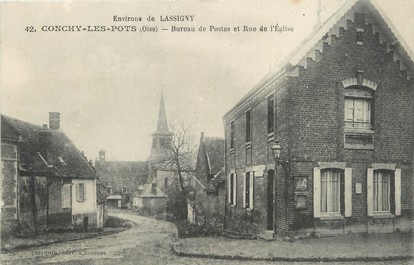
<point>54,120</point>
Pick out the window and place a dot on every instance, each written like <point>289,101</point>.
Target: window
<point>165,142</point>
<point>232,189</point>
<point>270,114</point>
<point>232,135</point>
<point>358,113</point>
<point>330,191</point>
<point>124,189</point>
<point>248,130</point>
<point>166,182</point>
<point>248,190</point>
<point>382,190</point>
<point>80,192</point>
<point>66,195</point>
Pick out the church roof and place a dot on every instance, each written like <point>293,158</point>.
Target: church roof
<point>162,125</point>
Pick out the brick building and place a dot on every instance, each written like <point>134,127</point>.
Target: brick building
<point>342,110</point>
<point>46,182</point>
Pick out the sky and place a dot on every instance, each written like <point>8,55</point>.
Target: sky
<point>107,85</point>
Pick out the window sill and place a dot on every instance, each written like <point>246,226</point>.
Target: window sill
<point>333,216</point>
<point>359,130</point>
<point>383,215</point>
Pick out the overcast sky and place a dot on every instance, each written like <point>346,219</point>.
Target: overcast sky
<point>107,85</point>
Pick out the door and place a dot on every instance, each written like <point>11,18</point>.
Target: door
<point>270,199</point>
<point>85,223</point>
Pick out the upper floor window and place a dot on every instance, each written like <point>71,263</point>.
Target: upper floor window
<point>358,113</point>
<point>358,108</point>
<point>248,129</point>
<point>232,135</point>
<point>270,114</point>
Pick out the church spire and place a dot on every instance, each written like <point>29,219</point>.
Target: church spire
<point>162,126</point>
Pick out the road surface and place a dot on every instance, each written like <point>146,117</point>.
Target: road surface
<point>148,242</point>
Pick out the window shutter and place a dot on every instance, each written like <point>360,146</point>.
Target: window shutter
<point>77,192</point>
<point>244,190</point>
<point>84,191</point>
<point>234,189</point>
<point>316,192</point>
<point>397,192</point>
<point>229,187</point>
<point>348,192</point>
<point>251,189</point>
<point>370,191</point>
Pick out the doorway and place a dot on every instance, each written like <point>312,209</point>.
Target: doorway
<point>85,223</point>
<point>270,199</point>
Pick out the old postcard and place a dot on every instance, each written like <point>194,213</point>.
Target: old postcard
<point>207,132</point>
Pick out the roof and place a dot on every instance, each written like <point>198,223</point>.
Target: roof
<point>215,153</point>
<point>148,192</point>
<point>162,125</point>
<point>217,180</point>
<point>114,197</point>
<point>118,174</point>
<point>62,158</point>
<point>322,34</point>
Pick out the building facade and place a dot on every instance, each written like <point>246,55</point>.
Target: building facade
<point>206,209</point>
<point>47,184</point>
<point>342,110</point>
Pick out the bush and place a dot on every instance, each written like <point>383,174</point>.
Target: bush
<point>177,205</point>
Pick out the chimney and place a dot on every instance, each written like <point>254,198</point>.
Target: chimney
<point>154,188</point>
<point>54,120</point>
<point>202,137</point>
<point>45,137</point>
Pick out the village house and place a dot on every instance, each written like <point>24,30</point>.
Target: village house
<point>325,144</point>
<point>47,184</point>
<point>150,200</point>
<point>121,179</point>
<point>207,207</point>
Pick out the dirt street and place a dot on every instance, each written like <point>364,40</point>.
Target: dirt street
<point>148,242</point>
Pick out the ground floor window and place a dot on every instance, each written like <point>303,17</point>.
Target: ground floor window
<point>382,190</point>
<point>248,190</point>
<point>232,189</point>
<point>330,191</point>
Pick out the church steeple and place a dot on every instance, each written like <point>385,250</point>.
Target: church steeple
<point>161,139</point>
<point>162,126</point>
